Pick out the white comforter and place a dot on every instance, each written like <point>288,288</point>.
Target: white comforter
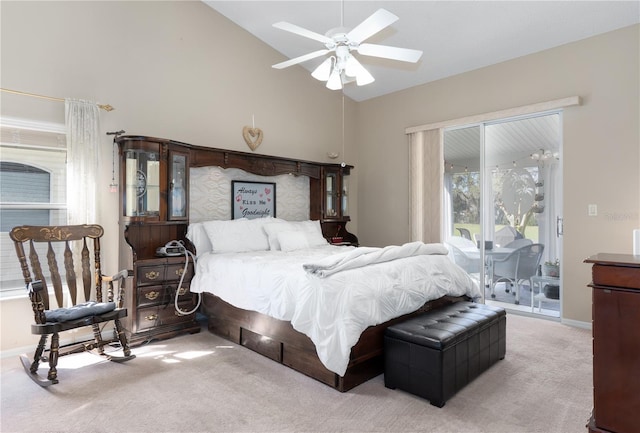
<point>332,294</point>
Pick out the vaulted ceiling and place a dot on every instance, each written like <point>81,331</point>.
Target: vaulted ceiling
<point>455,36</point>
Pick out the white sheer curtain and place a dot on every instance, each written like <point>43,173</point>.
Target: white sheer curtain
<point>426,170</point>
<point>82,119</point>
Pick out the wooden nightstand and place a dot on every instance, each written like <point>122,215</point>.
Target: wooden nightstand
<point>152,307</point>
<point>616,343</point>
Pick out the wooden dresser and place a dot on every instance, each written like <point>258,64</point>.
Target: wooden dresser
<point>616,343</point>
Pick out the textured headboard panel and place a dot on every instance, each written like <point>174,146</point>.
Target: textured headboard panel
<point>210,193</point>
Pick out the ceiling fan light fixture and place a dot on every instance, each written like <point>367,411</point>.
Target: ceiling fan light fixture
<point>354,68</point>
<point>351,66</point>
<point>364,78</point>
<point>323,72</point>
<point>335,80</point>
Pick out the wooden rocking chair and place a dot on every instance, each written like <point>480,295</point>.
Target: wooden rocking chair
<point>67,242</point>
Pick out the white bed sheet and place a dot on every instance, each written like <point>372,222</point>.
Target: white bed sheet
<point>332,311</point>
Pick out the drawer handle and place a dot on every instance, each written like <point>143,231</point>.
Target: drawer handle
<point>179,272</point>
<point>151,317</point>
<point>182,291</point>
<point>152,275</point>
<point>152,295</point>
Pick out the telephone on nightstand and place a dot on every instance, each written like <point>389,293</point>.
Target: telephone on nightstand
<point>171,249</point>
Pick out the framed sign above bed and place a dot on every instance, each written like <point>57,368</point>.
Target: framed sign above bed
<point>253,199</point>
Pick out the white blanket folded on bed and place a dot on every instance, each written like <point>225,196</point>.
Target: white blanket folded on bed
<point>364,256</point>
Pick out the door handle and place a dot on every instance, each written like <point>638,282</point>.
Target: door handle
<point>559,226</point>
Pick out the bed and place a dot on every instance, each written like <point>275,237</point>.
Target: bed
<point>279,288</point>
<point>278,332</point>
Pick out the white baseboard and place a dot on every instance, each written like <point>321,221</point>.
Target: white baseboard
<point>17,351</point>
<point>576,323</point>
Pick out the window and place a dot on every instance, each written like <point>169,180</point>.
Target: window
<point>32,185</point>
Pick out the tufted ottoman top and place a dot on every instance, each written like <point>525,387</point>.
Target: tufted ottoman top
<point>445,326</point>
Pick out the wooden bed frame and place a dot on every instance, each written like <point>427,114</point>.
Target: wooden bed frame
<point>275,338</point>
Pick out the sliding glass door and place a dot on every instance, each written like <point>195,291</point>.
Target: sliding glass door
<point>502,208</point>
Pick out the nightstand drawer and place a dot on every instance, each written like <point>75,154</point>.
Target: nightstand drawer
<point>155,274</point>
<point>184,294</point>
<point>174,272</point>
<point>151,274</point>
<point>162,295</point>
<point>162,315</point>
<point>152,295</point>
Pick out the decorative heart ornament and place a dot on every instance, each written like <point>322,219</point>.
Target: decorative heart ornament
<point>252,136</point>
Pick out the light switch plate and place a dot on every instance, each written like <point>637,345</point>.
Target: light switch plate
<point>593,210</point>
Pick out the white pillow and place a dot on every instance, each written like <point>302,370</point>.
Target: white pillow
<point>199,238</point>
<point>236,236</point>
<point>271,229</point>
<point>309,230</point>
<point>292,240</point>
<point>313,231</point>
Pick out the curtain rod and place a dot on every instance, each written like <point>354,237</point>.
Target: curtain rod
<point>105,107</point>
<point>502,114</point>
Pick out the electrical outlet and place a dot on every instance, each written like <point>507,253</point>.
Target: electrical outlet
<point>593,210</point>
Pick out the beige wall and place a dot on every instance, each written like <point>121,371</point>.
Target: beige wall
<point>601,145</point>
<point>175,70</point>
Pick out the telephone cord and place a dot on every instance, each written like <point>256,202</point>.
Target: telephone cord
<point>187,254</point>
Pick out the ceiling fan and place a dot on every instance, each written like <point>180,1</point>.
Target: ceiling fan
<point>343,67</point>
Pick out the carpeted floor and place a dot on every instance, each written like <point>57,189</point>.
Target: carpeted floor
<point>202,383</point>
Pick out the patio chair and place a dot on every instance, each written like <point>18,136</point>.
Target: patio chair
<point>518,266</point>
<point>465,233</point>
<point>81,242</point>
<point>517,243</point>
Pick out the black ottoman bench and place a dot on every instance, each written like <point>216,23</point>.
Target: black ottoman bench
<point>435,354</point>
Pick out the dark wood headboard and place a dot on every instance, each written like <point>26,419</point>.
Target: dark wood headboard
<point>262,165</point>
<point>266,165</point>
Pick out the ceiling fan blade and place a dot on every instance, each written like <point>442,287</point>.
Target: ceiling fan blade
<point>303,32</point>
<point>300,59</point>
<point>372,25</point>
<point>394,53</point>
